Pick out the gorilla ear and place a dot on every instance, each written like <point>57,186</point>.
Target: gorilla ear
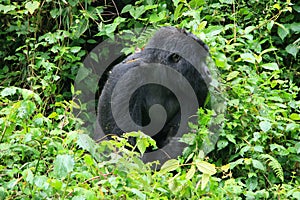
<point>174,58</point>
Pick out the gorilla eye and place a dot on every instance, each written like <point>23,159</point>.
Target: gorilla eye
<point>174,58</point>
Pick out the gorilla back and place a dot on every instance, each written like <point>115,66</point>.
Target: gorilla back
<point>158,89</point>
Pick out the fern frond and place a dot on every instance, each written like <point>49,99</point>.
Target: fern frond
<point>274,164</point>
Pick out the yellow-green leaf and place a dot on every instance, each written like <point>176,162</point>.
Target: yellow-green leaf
<point>170,165</point>
<point>190,173</point>
<point>204,180</point>
<point>32,6</point>
<point>205,167</point>
<point>295,116</point>
<point>232,75</point>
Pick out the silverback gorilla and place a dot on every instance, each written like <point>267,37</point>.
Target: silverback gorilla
<point>158,89</point>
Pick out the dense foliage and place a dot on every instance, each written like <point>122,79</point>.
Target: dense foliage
<point>44,153</point>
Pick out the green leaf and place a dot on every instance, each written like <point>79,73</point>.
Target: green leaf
<point>170,165</point>
<point>32,6</point>
<point>265,126</point>
<point>8,91</point>
<point>190,173</point>
<point>270,66</point>
<point>136,13</point>
<point>86,143</point>
<point>232,75</point>
<point>63,165</point>
<point>138,193</point>
<point>295,116</point>
<point>248,57</point>
<point>258,165</point>
<point>177,12</point>
<point>7,8</point>
<point>222,144</point>
<point>282,31</point>
<point>204,180</point>
<point>127,8</point>
<point>206,167</point>
<point>75,49</point>
<point>292,49</point>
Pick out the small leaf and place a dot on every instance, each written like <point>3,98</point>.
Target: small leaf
<point>32,6</point>
<point>127,8</point>
<point>282,31</point>
<point>295,116</point>
<point>8,91</point>
<point>190,173</point>
<point>63,165</point>
<point>265,126</point>
<point>205,167</point>
<point>75,49</point>
<point>232,75</point>
<point>270,66</point>
<point>225,168</point>
<point>177,12</point>
<point>248,57</point>
<point>258,165</point>
<point>86,143</point>
<point>204,181</point>
<point>7,8</point>
<point>170,165</point>
<point>292,49</point>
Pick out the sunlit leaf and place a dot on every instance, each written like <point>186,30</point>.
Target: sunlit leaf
<point>232,75</point>
<point>32,6</point>
<point>63,165</point>
<point>265,126</point>
<point>204,180</point>
<point>292,49</point>
<point>270,66</point>
<point>206,167</point>
<point>170,165</point>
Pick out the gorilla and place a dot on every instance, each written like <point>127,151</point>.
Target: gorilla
<point>158,89</point>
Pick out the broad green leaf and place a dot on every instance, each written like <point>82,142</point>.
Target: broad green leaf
<point>7,8</point>
<point>292,49</point>
<point>211,31</point>
<point>170,165</point>
<point>63,165</point>
<point>248,57</point>
<point>190,173</point>
<point>270,66</point>
<point>177,12</point>
<point>270,25</point>
<point>127,8</point>
<point>206,167</point>
<point>295,27</point>
<point>32,6</point>
<point>86,143</point>
<point>282,31</point>
<point>295,116</point>
<point>137,12</point>
<point>202,25</point>
<point>226,1</point>
<point>249,29</point>
<point>265,126</point>
<point>8,91</point>
<point>258,165</point>
<point>138,193</point>
<point>222,144</point>
<point>75,49</point>
<point>232,75</point>
<point>204,181</point>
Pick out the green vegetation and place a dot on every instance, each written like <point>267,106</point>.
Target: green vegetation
<point>44,153</point>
